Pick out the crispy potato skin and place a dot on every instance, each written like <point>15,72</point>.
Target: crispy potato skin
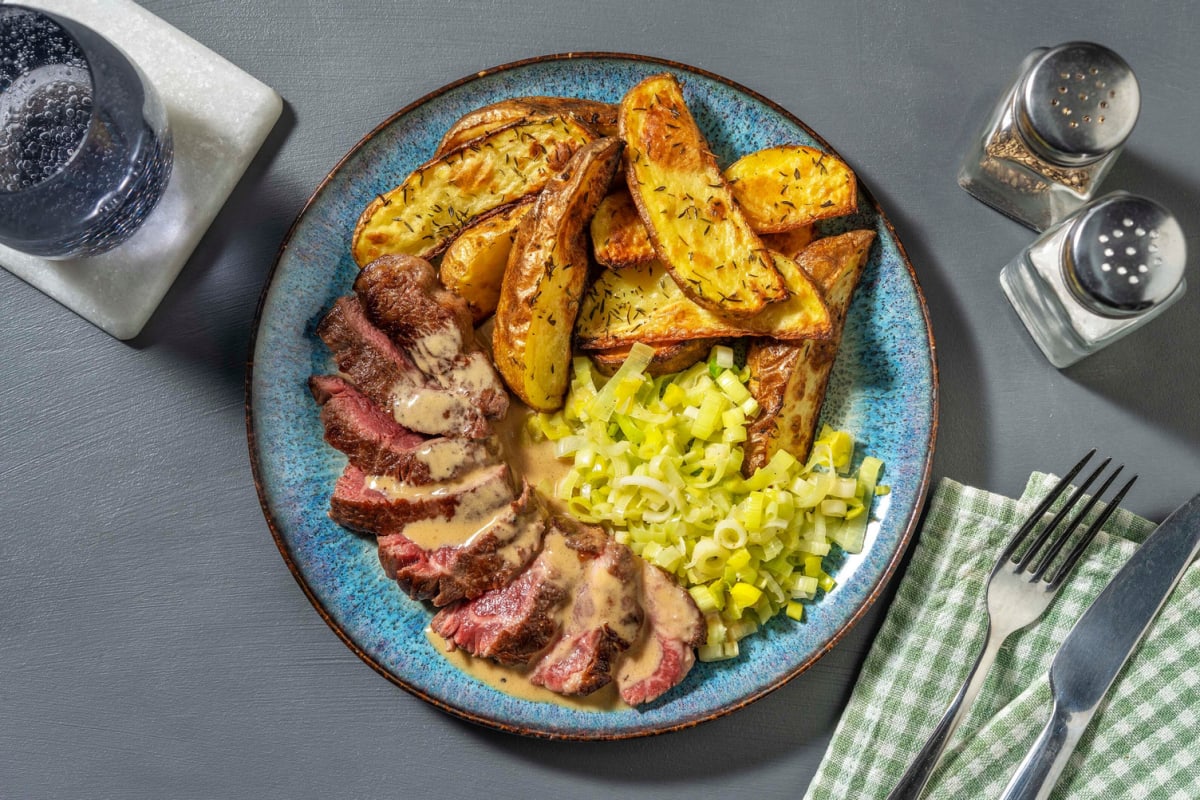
<point>442,197</point>
<point>643,303</point>
<point>788,379</point>
<point>668,357</point>
<point>599,117</point>
<point>473,265</point>
<point>619,238</point>
<point>545,277</point>
<point>698,231</point>
<point>782,188</point>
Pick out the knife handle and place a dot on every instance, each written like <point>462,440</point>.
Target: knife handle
<point>1037,774</point>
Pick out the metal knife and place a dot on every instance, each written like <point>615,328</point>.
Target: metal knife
<point>1101,642</point>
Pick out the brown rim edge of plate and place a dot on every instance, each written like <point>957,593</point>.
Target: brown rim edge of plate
<point>872,595</point>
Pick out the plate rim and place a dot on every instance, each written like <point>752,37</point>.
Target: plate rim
<point>906,536</point>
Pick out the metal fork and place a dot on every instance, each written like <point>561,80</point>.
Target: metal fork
<point>1017,596</point>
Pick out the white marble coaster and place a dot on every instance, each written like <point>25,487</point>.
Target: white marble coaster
<point>219,117</point>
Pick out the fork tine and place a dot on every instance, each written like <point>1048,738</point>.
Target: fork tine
<point>1042,508</point>
<point>1058,518</point>
<point>1058,544</point>
<point>1077,551</point>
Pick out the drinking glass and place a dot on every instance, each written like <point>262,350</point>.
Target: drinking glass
<point>85,151</point>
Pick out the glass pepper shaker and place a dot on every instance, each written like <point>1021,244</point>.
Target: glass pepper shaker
<point>1097,276</point>
<point>1055,135</point>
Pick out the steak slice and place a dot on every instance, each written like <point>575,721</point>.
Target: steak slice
<point>603,620</point>
<point>382,506</point>
<point>402,296</point>
<point>491,558</point>
<point>378,445</point>
<point>664,652</point>
<point>390,380</point>
<point>517,622</point>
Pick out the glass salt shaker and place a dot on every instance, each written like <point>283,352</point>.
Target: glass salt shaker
<point>1055,135</point>
<point>1097,276</point>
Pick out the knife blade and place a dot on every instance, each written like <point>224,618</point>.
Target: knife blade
<point>1101,642</point>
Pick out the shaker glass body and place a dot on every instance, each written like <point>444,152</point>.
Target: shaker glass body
<point>1011,167</point>
<point>1043,284</point>
<point>85,150</point>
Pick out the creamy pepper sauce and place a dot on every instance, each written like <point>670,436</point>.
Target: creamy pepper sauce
<point>536,463</point>
<point>533,461</point>
<point>514,681</point>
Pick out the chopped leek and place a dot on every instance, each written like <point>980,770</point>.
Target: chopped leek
<point>658,461</point>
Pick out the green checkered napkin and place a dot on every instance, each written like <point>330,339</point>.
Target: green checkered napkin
<point>1142,743</point>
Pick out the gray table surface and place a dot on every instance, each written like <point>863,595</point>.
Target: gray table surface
<point>152,642</point>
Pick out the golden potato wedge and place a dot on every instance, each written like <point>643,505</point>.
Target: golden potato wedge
<point>619,238</point>
<point>790,243</point>
<point>601,118</point>
<point>699,232</point>
<point>420,216</point>
<point>545,277</point>
<point>668,356</point>
<point>643,303</point>
<point>781,188</point>
<point>788,379</point>
<point>473,265</point>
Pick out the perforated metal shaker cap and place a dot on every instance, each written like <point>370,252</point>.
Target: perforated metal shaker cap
<point>1124,254</point>
<point>1078,102</point>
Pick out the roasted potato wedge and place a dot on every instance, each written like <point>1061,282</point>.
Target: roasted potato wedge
<point>668,356</point>
<point>781,188</point>
<point>788,379</point>
<point>619,238</point>
<point>643,303</point>
<point>420,216</point>
<point>699,232</point>
<point>545,277</point>
<point>601,118</point>
<point>473,265</point>
<point>790,243</point>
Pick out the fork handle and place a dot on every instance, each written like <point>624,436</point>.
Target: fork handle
<point>1039,771</point>
<point>917,775</point>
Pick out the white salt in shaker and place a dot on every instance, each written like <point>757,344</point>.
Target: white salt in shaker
<point>1097,276</point>
<point>1055,134</point>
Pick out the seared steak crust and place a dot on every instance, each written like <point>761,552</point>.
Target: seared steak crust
<point>511,624</point>
<point>363,509</point>
<point>489,560</point>
<point>402,296</point>
<point>389,378</point>
<point>673,627</point>
<point>378,445</point>
<point>604,620</point>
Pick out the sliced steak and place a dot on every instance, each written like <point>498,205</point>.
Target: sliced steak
<point>603,620</point>
<point>502,546</point>
<point>433,326</point>
<point>517,622</point>
<point>664,653</point>
<point>378,445</point>
<point>382,506</point>
<point>389,378</point>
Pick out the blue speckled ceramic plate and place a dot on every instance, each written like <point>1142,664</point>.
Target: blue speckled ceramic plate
<point>883,387</point>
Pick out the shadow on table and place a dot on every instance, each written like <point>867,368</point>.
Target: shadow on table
<point>1154,368</point>
<point>207,316</point>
